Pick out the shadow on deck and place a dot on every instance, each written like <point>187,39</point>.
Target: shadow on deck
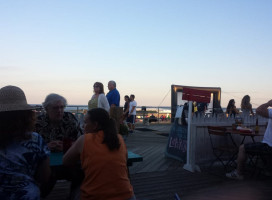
<point>159,178</point>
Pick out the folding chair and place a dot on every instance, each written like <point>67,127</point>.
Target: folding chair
<point>261,161</point>
<point>223,146</point>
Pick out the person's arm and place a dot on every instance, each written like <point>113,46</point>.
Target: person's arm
<point>132,109</point>
<point>55,145</point>
<point>236,110</point>
<point>127,110</point>
<point>251,111</point>
<point>262,110</point>
<point>73,154</point>
<point>115,98</point>
<point>104,102</point>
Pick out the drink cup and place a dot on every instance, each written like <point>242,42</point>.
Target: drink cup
<point>234,126</point>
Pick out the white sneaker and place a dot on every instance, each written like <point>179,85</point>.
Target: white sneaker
<point>234,175</point>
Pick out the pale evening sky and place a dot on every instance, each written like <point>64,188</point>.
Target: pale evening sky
<point>65,46</point>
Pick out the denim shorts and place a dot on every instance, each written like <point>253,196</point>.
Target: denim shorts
<point>131,119</point>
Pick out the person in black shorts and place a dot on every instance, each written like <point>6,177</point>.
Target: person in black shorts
<point>264,146</point>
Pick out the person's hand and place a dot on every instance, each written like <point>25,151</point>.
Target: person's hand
<point>55,145</point>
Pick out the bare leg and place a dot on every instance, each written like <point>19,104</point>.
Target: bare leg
<point>241,160</point>
<point>129,126</point>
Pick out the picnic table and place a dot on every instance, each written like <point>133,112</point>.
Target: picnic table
<point>56,158</point>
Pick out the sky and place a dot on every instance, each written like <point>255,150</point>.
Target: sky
<point>65,46</point>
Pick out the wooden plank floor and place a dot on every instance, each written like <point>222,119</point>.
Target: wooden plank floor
<point>159,178</point>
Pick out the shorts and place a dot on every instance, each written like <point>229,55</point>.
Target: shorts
<point>131,119</point>
<point>257,147</point>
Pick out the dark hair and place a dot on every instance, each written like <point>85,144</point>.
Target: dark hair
<point>127,97</point>
<point>101,86</point>
<point>245,103</point>
<point>106,124</point>
<point>133,96</point>
<point>16,125</point>
<point>230,105</point>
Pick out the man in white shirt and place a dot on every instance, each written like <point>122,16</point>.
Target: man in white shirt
<point>264,146</point>
<point>132,113</point>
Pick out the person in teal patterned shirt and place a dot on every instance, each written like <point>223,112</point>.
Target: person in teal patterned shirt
<point>24,156</point>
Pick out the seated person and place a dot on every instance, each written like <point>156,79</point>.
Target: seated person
<point>24,156</point>
<point>103,157</point>
<point>231,108</point>
<point>265,145</point>
<point>55,126</point>
<point>246,106</point>
<point>201,108</point>
<point>217,109</point>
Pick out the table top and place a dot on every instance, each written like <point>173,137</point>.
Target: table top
<point>246,133</point>
<point>56,158</point>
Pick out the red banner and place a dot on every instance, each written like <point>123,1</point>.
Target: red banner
<point>190,94</point>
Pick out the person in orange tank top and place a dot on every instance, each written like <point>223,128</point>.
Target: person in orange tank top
<point>103,157</point>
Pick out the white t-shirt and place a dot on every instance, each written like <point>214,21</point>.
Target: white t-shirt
<point>268,132</point>
<point>131,104</point>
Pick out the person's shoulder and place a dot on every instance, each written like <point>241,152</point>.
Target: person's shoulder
<point>69,116</point>
<point>35,138</point>
<point>270,112</point>
<point>115,91</point>
<point>41,116</point>
<point>41,120</point>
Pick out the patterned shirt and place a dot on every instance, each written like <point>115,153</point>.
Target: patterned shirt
<point>18,166</point>
<point>69,127</point>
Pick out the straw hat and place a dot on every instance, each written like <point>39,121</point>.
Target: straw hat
<point>13,98</point>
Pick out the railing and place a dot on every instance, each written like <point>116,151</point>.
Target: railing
<point>161,114</point>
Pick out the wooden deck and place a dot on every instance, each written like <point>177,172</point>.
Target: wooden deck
<point>159,178</point>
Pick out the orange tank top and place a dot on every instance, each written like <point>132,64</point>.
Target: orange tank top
<point>106,174</point>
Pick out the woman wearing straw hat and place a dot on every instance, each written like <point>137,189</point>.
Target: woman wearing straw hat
<point>24,156</point>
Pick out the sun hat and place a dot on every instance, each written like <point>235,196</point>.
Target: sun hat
<point>13,98</point>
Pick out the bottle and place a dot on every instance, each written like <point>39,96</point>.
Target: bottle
<point>257,126</point>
